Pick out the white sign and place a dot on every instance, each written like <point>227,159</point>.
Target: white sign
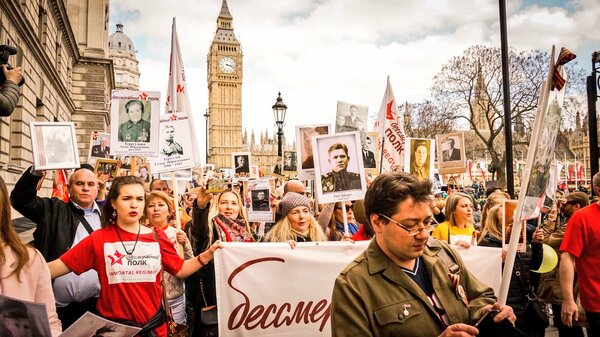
<point>269,289</point>
<point>134,117</point>
<point>175,147</point>
<point>257,195</point>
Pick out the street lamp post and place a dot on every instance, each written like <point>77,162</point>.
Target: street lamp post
<point>279,110</point>
<point>593,85</point>
<point>207,116</point>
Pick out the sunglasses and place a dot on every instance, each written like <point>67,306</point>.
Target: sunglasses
<point>348,207</point>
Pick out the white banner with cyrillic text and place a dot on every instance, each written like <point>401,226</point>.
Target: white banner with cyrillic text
<point>269,289</point>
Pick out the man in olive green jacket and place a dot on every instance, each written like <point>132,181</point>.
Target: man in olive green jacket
<point>400,286</point>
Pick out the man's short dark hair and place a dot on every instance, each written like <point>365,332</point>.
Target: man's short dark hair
<point>578,198</point>
<point>338,146</point>
<point>491,189</point>
<point>388,190</point>
<point>420,143</point>
<point>85,166</point>
<point>154,181</point>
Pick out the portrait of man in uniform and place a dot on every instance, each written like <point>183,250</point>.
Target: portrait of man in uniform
<point>136,128</point>
<point>289,161</point>
<point>260,200</point>
<point>170,147</point>
<point>339,179</point>
<point>419,158</point>
<point>242,164</point>
<point>102,150</point>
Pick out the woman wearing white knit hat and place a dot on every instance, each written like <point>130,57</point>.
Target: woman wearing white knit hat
<point>297,222</point>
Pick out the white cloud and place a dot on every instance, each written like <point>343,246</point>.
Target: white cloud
<point>317,52</point>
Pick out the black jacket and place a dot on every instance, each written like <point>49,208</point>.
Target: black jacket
<point>532,259</point>
<point>56,221</point>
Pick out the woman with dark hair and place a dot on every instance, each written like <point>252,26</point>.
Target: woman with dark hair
<point>128,258</point>
<point>331,220</point>
<point>24,273</point>
<point>458,228</point>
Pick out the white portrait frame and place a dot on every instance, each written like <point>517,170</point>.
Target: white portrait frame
<point>307,173</point>
<point>322,144</point>
<point>283,167</point>
<point>44,140</point>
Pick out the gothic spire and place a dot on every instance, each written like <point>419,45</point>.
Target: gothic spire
<point>225,14</point>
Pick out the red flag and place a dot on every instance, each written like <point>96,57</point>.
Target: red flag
<point>470,165</point>
<point>177,97</point>
<point>579,171</point>
<point>59,186</point>
<point>391,130</point>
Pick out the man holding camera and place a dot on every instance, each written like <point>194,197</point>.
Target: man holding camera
<point>9,90</point>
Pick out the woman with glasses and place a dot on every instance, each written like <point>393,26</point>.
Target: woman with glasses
<point>458,228</point>
<point>332,221</point>
<point>297,223</point>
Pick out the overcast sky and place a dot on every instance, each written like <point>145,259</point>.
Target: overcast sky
<point>317,52</point>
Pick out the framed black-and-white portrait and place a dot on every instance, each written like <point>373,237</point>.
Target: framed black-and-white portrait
<point>451,153</point>
<point>135,123</point>
<point>290,165</point>
<point>339,170</point>
<point>99,146</point>
<point>304,150</point>
<point>54,145</point>
<point>351,117</point>
<point>241,163</point>
<point>175,144</point>
<point>419,157</point>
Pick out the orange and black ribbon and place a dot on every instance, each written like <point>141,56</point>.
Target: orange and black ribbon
<point>565,55</point>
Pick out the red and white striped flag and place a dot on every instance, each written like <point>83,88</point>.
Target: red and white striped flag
<point>177,97</point>
<point>59,185</point>
<point>389,126</point>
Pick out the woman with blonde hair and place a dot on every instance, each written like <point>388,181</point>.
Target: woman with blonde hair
<point>297,223</point>
<point>159,213</point>
<point>214,217</point>
<point>24,273</point>
<point>458,228</point>
<point>521,282</point>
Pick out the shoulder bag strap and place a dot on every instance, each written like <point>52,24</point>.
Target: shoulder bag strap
<point>165,301</point>
<point>79,214</point>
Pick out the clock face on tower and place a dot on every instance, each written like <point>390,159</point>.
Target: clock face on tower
<point>227,64</point>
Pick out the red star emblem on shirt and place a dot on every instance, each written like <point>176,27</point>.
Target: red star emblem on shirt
<point>116,258</point>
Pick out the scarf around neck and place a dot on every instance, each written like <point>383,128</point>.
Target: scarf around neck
<point>232,230</point>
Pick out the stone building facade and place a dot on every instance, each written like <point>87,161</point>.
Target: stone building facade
<point>63,52</point>
<point>122,52</point>
<point>224,76</point>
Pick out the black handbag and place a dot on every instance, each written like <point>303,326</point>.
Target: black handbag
<point>209,323</point>
<point>534,313</point>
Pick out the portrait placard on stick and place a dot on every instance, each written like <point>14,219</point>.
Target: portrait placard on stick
<point>451,153</point>
<point>290,163</point>
<point>339,167</point>
<point>134,119</point>
<point>351,117</point>
<point>304,150</point>
<point>420,154</point>
<point>54,145</point>
<point>370,151</point>
<point>257,195</point>
<point>175,144</point>
<point>107,168</point>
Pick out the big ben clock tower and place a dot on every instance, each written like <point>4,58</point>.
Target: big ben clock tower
<point>224,75</point>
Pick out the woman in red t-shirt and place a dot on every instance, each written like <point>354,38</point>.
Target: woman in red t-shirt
<point>128,258</point>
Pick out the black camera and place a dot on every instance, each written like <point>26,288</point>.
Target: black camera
<point>5,52</point>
